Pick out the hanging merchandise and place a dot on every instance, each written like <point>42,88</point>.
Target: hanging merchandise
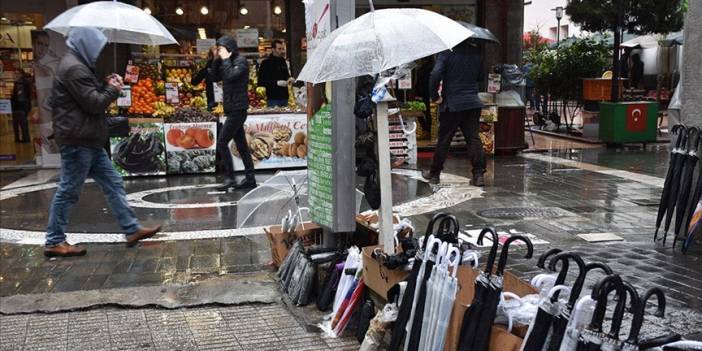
<point>539,328</point>
<point>680,132</point>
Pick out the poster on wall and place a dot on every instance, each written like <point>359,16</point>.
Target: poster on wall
<point>47,47</point>
<point>317,22</point>
<point>191,147</point>
<point>275,141</point>
<point>320,172</point>
<point>141,153</point>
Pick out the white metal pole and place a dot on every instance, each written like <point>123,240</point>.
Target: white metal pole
<point>385,225</point>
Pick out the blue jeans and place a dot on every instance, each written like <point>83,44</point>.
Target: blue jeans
<point>78,163</point>
<point>277,103</point>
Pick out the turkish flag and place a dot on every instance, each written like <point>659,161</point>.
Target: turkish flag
<point>636,117</point>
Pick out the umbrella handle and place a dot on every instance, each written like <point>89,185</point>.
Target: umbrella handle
<point>580,281</point>
<point>475,257</point>
<point>557,289</point>
<point>565,257</point>
<point>693,132</point>
<point>432,242</point>
<point>618,315</point>
<point>639,313</point>
<point>441,254</point>
<point>505,251</point>
<point>493,249</point>
<point>542,259</point>
<point>430,226</point>
<point>600,293</point>
<point>453,258</point>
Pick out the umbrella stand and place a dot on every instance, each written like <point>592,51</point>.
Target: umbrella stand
<point>385,211</point>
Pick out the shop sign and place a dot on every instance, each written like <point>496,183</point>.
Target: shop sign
<point>125,97</point>
<point>494,82</point>
<point>203,45</point>
<point>172,93</point>
<point>320,168</point>
<point>247,38</point>
<point>275,141</point>
<point>5,106</point>
<point>317,21</point>
<point>132,74</point>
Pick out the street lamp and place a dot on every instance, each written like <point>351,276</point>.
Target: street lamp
<point>559,16</point>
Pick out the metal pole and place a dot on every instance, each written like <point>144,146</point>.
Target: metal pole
<point>385,224</point>
<point>558,33</point>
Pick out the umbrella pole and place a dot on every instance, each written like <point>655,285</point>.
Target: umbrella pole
<point>385,225</point>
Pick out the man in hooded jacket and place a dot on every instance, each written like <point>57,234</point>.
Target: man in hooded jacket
<point>78,103</point>
<point>233,70</point>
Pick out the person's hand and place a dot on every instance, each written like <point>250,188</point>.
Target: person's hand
<point>439,100</point>
<point>223,53</point>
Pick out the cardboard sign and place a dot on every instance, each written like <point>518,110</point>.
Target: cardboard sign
<point>636,117</point>
<point>494,82</point>
<point>125,97</point>
<point>132,74</point>
<point>172,93</point>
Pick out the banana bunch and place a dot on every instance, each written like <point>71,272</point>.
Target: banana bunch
<point>198,102</point>
<point>161,109</point>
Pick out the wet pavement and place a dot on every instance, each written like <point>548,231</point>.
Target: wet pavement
<point>556,197</point>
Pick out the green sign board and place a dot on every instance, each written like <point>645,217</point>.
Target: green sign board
<point>320,163</point>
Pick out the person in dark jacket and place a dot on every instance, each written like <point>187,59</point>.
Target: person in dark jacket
<point>233,70</point>
<point>460,70</point>
<point>203,75</point>
<point>21,102</point>
<point>78,103</point>
<point>637,71</point>
<point>274,75</point>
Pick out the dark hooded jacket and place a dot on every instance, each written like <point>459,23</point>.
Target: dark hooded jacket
<point>460,70</point>
<point>79,99</point>
<point>234,74</point>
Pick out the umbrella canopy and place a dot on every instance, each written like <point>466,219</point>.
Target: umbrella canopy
<point>680,132</point>
<point>644,42</point>
<point>673,39</point>
<point>381,40</point>
<point>120,22</point>
<point>480,33</point>
<point>632,342</point>
<point>690,164</point>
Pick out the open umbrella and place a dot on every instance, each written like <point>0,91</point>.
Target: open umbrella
<point>480,33</point>
<point>398,331</point>
<point>681,132</point>
<point>471,318</point>
<point>381,40</point>
<point>676,179</point>
<point>632,342</point>
<point>481,341</point>
<point>644,42</point>
<point>688,171</point>
<point>120,22</point>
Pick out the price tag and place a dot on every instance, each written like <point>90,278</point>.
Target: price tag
<point>132,74</point>
<point>405,83</point>
<point>172,93</point>
<point>125,97</point>
<point>218,93</point>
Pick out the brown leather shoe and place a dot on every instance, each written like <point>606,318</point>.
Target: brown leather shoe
<point>64,249</point>
<point>141,234</point>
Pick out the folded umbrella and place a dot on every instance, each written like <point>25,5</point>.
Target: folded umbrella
<point>677,178</point>
<point>448,297</point>
<point>632,342</point>
<point>682,211</point>
<point>434,285</point>
<point>414,323</point>
<point>610,341</point>
<point>679,131</point>
<point>541,324</point>
<point>591,337</point>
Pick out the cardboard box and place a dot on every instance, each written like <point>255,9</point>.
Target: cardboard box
<point>378,277</point>
<point>281,242</point>
<point>499,341</point>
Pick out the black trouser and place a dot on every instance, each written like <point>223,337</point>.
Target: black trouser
<point>234,129</point>
<point>469,123</point>
<point>19,121</point>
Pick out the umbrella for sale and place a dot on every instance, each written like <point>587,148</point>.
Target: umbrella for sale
<point>632,342</point>
<point>471,318</point>
<point>492,294</point>
<point>398,330</point>
<point>680,132</point>
<point>541,324</point>
<point>560,321</point>
<point>420,291</point>
<point>120,22</point>
<point>591,337</point>
<point>446,305</point>
<point>381,40</point>
<point>433,290</point>
<point>684,192</point>
<point>480,33</point>
<point>541,263</point>
<point>610,341</point>
<point>676,179</point>
<point>441,284</point>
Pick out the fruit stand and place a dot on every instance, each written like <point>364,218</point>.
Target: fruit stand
<point>173,133</point>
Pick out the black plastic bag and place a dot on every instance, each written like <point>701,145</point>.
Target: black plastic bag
<point>366,314</point>
<point>326,297</point>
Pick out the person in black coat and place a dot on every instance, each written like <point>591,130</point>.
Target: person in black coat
<point>274,75</point>
<point>460,70</point>
<point>233,70</point>
<point>203,75</point>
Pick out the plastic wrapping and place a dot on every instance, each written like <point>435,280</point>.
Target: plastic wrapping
<point>381,40</point>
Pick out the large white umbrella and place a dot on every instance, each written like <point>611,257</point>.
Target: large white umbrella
<point>381,40</point>
<point>120,22</point>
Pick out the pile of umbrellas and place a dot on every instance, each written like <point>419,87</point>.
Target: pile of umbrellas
<point>682,188</point>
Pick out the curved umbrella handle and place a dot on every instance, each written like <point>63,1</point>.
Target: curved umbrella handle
<point>448,226</point>
<point>493,250</point>
<point>692,133</point>
<point>600,293</point>
<point>441,254</point>
<point>454,259</point>
<point>430,226</point>
<point>512,296</point>
<point>542,259</point>
<point>505,251</point>
<point>618,315</point>
<point>474,256</point>
<point>557,290</point>
<point>428,246</point>
<point>579,281</point>
<point>639,313</point>
<point>404,130</point>
<point>543,280</point>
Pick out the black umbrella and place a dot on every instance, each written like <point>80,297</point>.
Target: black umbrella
<point>611,340</point>
<point>632,342</point>
<point>398,331</point>
<point>481,341</point>
<point>480,32</point>
<point>684,192</point>
<point>560,321</point>
<point>541,263</point>
<point>680,131</point>
<point>471,318</point>
<point>676,179</point>
<point>592,338</point>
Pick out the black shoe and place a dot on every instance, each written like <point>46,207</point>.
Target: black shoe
<point>430,176</point>
<point>479,180</point>
<point>228,184</point>
<point>248,183</point>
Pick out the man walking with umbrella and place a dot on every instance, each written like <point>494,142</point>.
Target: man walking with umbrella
<point>78,103</point>
<point>460,70</point>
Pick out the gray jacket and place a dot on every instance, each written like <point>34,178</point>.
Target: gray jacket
<point>460,70</point>
<point>78,104</point>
